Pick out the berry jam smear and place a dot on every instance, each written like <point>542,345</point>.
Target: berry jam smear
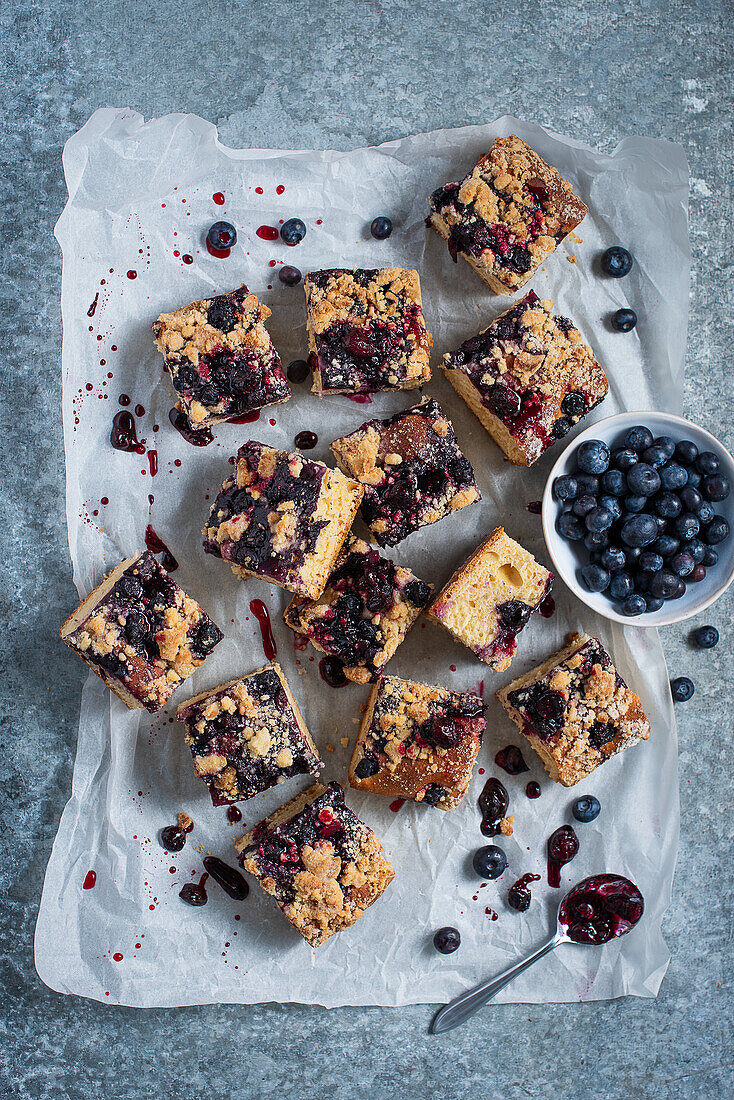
<point>600,908</point>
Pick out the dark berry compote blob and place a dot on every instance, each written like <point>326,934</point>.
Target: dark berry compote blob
<point>600,908</point>
<point>231,881</point>
<point>563,845</point>
<point>511,759</point>
<point>493,802</point>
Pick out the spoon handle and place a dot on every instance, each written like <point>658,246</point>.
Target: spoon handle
<point>466,1004</point>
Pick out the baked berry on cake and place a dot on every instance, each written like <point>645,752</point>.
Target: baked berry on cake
<point>490,598</point>
<point>363,615</point>
<point>529,378</point>
<point>366,330</point>
<point>575,710</point>
<point>507,215</point>
<point>412,470</point>
<point>141,633</point>
<point>417,741</point>
<point>247,735</point>
<point>220,358</point>
<point>322,865</point>
<point>282,517</point>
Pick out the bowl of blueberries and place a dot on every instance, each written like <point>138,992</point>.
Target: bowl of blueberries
<point>638,514</point>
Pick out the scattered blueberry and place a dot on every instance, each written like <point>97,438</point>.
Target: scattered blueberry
<point>716,488</point>
<point>570,527</point>
<point>667,505</point>
<point>705,637</point>
<point>650,562</point>
<point>222,235</point>
<point>655,455</point>
<point>691,499</point>
<point>592,457</point>
<point>696,549</point>
<point>586,808</point>
<point>694,478</point>
<point>612,504</point>
<point>624,459</point>
<point>639,530</point>
<point>673,476</point>
<point>624,320</point>
<point>643,480</point>
<point>447,940</point>
<point>587,483</point>
<point>583,505</point>
<point>710,556</point>
<point>598,520</point>
<point>686,451</point>
<point>681,689</point>
<point>381,228</point>
<point>666,546</point>
<point>707,463</point>
<point>614,482</point>
<point>489,862</point>
<point>596,540</point>
<point>699,572</point>
<point>664,584</point>
<point>595,578</point>
<point>637,605</point>
<point>621,586</point>
<point>686,526</point>
<point>565,487</point>
<point>654,603</point>
<point>682,563</point>
<point>717,531</point>
<point>613,559</point>
<point>634,503</point>
<point>638,438</point>
<point>293,231</point>
<point>289,275</point>
<point>705,513</point>
<point>616,262</point>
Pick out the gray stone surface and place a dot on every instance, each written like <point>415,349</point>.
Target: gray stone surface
<point>343,74</point>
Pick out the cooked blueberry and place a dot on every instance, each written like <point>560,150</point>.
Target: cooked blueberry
<point>367,766</point>
<point>663,584</point>
<point>447,940</point>
<point>696,549</point>
<point>637,605</point>
<point>417,592</point>
<point>583,505</point>
<point>643,480</point>
<point>289,275</point>
<point>694,478</point>
<point>682,563</point>
<point>129,586</point>
<point>681,688</point>
<point>638,438</point>
<point>565,487</point>
<point>573,404</point>
<point>172,838</point>
<point>503,400</point>
<point>686,526</point>
<point>717,531</point>
<point>685,451</point>
<point>381,228</point>
<point>596,540</point>
<point>561,427</point>
<point>586,808</point>
<point>570,526</point>
<point>587,483</point>
<point>592,457</point>
<point>598,520</point>
<point>710,556</point>
<point>206,637</point>
<point>614,482</point>
<point>639,530</point>
<point>514,614</point>
<point>613,559</point>
<point>612,504</point>
<point>716,488</point>
<point>433,794</point>
<point>705,513</point>
<point>624,459</point>
<point>621,586</point>
<point>667,505</point>
<point>634,503</point>
<point>707,464</point>
<point>221,315</point>
<point>489,862</point>
<point>443,730</point>
<point>298,370</point>
<point>650,562</point>
<point>137,628</point>
<point>654,603</point>
<point>595,577</point>
<point>222,235</point>
<point>666,546</point>
<point>519,897</point>
<point>616,262</point>
<point>293,231</point>
<point>624,320</point>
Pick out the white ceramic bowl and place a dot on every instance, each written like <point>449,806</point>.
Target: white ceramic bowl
<point>569,557</point>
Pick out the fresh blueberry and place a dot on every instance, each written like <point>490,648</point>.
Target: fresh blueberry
<point>489,862</point>
<point>717,531</point>
<point>616,262</point>
<point>681,689</point>
<point>667,505</point>
<point>654,603</point>
<point>710,557</point>
<point>635,605</point>
<point>705,513</point>
<point>595,578</point>
<point>686,526</point>
<point>694,478</point>
<point>289,275</point>
<point>663,584</point>
<point>673,476</point>
<point>293,231</point>
<point>696,549</point>
<point>666,546</point>
<point>698,574</point>
<point>570,527</point>
<point>586,808</point>
<point>650,562</point>
<point>614,482</point>
<point>643,480</point>
<point>592,457</point>
<point>447,940</point>
<point>707,464</point>
<point>655,456</point>
<point>662,523</point>
<point>639,530</point>
<point>686,451</point>
<point>565,487</point>
<point>716,488</point>
<point>624,459</point>
<point>612,504</point>
<point>381,228</point>
<point>634,503</point>
<point>613,559</point>
<point>587,483</point>
<point>681,588</point>
<point>624,320</point>
<point>632,554</point>
<point>642,580</point>
<point>705,637</point>
<point>665,443</point>
<point>682,563</point>
<point>222,235</point>
<point>583,505</point>
<point>621,586</point>
<point>598,520</point>
<point>638,438</point>
<point>691,499</point>
<point>596,540</point>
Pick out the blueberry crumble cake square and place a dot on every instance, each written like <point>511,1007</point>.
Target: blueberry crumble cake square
<point>507,215</point>
<point>220,358</point>
<point>366,330</point>
<point>417,741</point>
<point>247,735</point>
<point>141,633</point>
<point>529,378</point>
<point>490,598</point>
<point>412,471</point>
<point>575,710</point>
<point>319,861</point>
<point>282,517</point>
<point>363,615</point>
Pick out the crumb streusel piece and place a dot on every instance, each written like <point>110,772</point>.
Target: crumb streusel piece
<point>247,735</point>
<point>363,615</point>
<point>417,741</point>
<point>366,330</point>
<point>529,378</point>
<point>220,357</point>
<point>322,865</point>
<point>489,599</point>
<point>575,710</point>
<point>282,517</point>
<point>141,633</point>
<point>507,215</point>
<point>412,470</point>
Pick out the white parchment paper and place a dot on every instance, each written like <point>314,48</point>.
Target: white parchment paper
<point>140,201</point>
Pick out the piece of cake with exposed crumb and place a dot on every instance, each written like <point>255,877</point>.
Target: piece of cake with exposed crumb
<point>282,517</point>
<point>141,633</point>
<point>489,599</point>
<point>412,470</point>
<point>220,358</point>
<point>247,735</point>
<point>363,615</point>
<point>507,216</point>
<point>366,330</point>
<point>417,741</point>
<point>575,710</point>
<point>323,866</point>
<point>529,378</point>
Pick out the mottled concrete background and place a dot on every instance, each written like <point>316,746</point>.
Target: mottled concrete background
<point>343,74</point>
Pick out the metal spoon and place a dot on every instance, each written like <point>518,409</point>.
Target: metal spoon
<point>619,906</point>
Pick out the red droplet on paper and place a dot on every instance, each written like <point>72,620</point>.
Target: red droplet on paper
<point>90,880</point>
<point>218,198</point>
<point>267,233</point>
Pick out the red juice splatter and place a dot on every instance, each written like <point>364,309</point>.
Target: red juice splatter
<point>89,880</point>
<point>267,233</point>
<point>93,308</point>
<point>261,613</point>
<point>234,815</point>
<point>360,398</point>
<point>535,506</point>
<point>246,418</point>
<point>547,606</point>
<point>218,198</point>
<point>123,436</point>
<point>139,410</point>
<point>331,671</point>
<point>132,274</point>
<point>118,956</point>
<point>197,438</point>
<point>187,259</point>
<point>258,190</point>
<point>153,463</point>
<point>279,189</point>
<point>397,805</point>
<point>156,545</point>
<point>123,399</point>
